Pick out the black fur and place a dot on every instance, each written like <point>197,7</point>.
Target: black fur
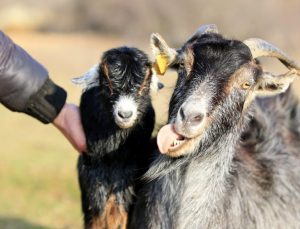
<point>116,157</point>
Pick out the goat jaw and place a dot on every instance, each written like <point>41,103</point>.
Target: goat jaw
<point>168,140</point>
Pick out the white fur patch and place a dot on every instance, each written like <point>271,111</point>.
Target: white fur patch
<point>89,79</point>
<point>154,86</point>
<point>125,104</point>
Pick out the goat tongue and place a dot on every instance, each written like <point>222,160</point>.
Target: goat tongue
<point>165,138</point>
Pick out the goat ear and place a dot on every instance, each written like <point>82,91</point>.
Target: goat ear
<point>270,85</point>
<point>89,79</point>
<point>164,55</point>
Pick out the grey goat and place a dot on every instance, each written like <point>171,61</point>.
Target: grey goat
<point>206,175</point>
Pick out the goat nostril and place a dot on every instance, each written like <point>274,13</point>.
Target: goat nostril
<point>125,114</point>
<point>197,119</point>
<point>160,85</point>
<point>191,116</point>
<point>182,115</point>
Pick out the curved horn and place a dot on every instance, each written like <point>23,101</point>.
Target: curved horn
<point>211,28</point>
<point>261,48</point>
<point>204,29</point>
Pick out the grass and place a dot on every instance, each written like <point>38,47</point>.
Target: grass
<point>37,176</point>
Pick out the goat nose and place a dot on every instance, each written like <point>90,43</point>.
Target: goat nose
<point>125,114</point>
<point>160,85</point>
<point>191,116</point>
<point>196,119</point>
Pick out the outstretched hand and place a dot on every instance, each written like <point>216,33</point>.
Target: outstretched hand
<point>68,122</point>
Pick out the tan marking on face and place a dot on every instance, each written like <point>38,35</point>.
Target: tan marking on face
<point>146,79</point>
<point>238,79</point>
<point>105,70</point>
<point>189,60</point>
<point>241,76</point>
<point>114,216</point>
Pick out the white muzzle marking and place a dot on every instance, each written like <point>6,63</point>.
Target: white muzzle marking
<point>125,111</point>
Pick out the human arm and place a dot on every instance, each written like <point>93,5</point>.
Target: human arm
<point>26,87</point>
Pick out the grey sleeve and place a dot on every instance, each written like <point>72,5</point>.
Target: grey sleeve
<point>25,85</point>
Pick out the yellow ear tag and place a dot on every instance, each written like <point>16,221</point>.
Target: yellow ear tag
<point>161,64</point>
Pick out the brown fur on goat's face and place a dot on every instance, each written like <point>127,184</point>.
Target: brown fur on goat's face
<point>217,81</point>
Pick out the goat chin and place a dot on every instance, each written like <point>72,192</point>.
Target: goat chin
<point>125,125</point>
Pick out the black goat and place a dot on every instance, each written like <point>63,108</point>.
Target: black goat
<point>205,177</point>
<point>118,120</point>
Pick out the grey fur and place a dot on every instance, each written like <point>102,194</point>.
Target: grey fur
<point>226,191</point>
<point>231,182</point>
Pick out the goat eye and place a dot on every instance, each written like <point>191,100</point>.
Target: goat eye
<point>246,85</point>
<point>181,65</point>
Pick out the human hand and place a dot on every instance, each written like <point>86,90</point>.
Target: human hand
<point>68,122</point>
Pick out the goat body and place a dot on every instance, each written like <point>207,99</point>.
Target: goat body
<point>221,174</point>
<point>118,120</point>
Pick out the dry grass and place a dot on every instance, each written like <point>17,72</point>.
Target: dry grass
<point>38,167</point>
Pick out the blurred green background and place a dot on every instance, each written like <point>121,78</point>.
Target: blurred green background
<point>37,165</point>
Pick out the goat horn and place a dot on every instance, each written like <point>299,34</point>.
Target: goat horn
<point>204,29</point>
<point>211,28</point>
<point>261,48</point>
